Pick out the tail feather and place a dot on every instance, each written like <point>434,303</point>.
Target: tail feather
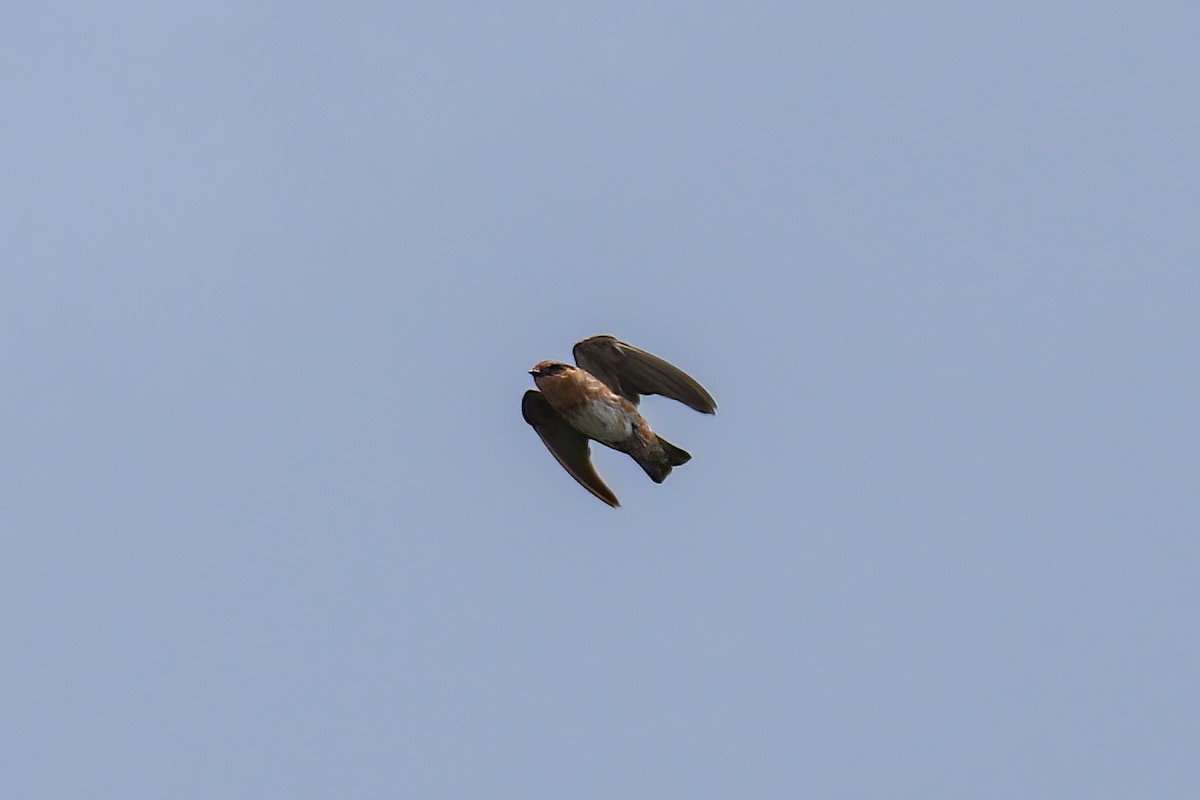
<point>659,468</point>
<point>675,455</point>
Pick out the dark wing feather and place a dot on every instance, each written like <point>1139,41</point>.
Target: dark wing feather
<point>565,443</point>
<point>630,372</point>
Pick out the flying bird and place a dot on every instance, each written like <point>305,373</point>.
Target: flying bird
<point>597,400</point>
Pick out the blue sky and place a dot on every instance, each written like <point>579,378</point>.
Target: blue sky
<point>273,274</point>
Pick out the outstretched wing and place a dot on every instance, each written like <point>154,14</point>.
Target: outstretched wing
<point>565,443</point>
<point>630,372</point>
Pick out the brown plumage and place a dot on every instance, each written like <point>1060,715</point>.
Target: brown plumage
<point>597,400</point>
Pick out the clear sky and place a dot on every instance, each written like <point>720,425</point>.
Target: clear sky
<point>272,274</point>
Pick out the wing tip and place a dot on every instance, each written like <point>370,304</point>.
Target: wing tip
<point>550,428</point>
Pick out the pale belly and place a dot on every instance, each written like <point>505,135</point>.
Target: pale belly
<point>603,421</point>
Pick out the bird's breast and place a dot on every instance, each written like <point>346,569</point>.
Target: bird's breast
<point>602,419</point>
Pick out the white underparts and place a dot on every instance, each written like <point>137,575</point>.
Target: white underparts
<point>602,420</point>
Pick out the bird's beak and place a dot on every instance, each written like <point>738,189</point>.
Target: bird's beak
<point>533,372</point>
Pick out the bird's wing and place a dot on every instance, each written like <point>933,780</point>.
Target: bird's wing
<point>630,372</point>
<point>565,443</point>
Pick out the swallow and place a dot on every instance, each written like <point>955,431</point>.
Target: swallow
<point>597,399</point>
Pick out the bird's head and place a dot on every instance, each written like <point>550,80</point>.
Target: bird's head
<point>549,371</point>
